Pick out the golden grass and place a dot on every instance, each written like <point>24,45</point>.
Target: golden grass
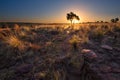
<point>16,27</point>
<point>11,39</point>
<point>34,46</point>
<point>14,41</point>
<point>98,32</point>
<point>26,28</point>
<point>74,39</point>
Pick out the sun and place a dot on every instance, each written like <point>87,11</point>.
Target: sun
<point>76,21</point>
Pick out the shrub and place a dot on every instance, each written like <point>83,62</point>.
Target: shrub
<point>14,41</point>
<point>98,33</point>
<point>74,41</point>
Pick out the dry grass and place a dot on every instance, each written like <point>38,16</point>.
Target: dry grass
<point>14,41</point>
<point>13,38</point>
<point>34,47</point>
<point>58,44</point>
<point>26,28</point>
<point>98,32</point>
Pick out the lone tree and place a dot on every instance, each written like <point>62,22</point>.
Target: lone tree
<point>115,20</point>
<point>112,20</point>
<point>71,16</point>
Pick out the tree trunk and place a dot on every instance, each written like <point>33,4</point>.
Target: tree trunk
<point>71,22</point>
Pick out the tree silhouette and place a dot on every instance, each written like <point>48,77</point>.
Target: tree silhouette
<point>71,16</point>
<point>115,20</point>
<point>112,20</point>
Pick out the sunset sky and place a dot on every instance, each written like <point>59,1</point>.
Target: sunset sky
<point>54,11</point>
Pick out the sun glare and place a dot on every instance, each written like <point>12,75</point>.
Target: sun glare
<point>76,21</point>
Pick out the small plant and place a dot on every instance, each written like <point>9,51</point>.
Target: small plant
<point>116,28</point>
<point>85,39</point>
<point>16,27</point>
<point>98,33</point>
<point>74,41</point>
<point>40,75</point>
<point>56,75</point>
<point>22,34</point>
<point>13,41</point>
<point>34,46</point>
<point>26,28</point>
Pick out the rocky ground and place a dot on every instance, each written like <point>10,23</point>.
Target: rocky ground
<point>54,54</point>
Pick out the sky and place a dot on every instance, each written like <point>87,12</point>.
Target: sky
<point>54,11</point>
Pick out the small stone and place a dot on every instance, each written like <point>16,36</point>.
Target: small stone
<point>114,65</point>
<point>89,53</point>
<point>116,70</point>
<point>106,47</point>
<point>117,48</point>
<point>105,69</point>
<point>68,32</point>
<point>24,68</point>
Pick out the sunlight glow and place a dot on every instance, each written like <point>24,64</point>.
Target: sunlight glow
<point>76,21</point>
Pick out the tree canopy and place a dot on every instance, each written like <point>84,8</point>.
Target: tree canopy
<point>115,20</point>
<point>71,16</point>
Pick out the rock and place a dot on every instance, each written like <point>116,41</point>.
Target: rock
<point>117,48</point>
<point>101,59</point>
<point>106,47</point>
<point>107,40</point>
<point>115,70</point>
<point>105,69</point>
<point>24,68</point>
<point>67,32</point>
<point>89,54</point>
<point>114,64</point>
